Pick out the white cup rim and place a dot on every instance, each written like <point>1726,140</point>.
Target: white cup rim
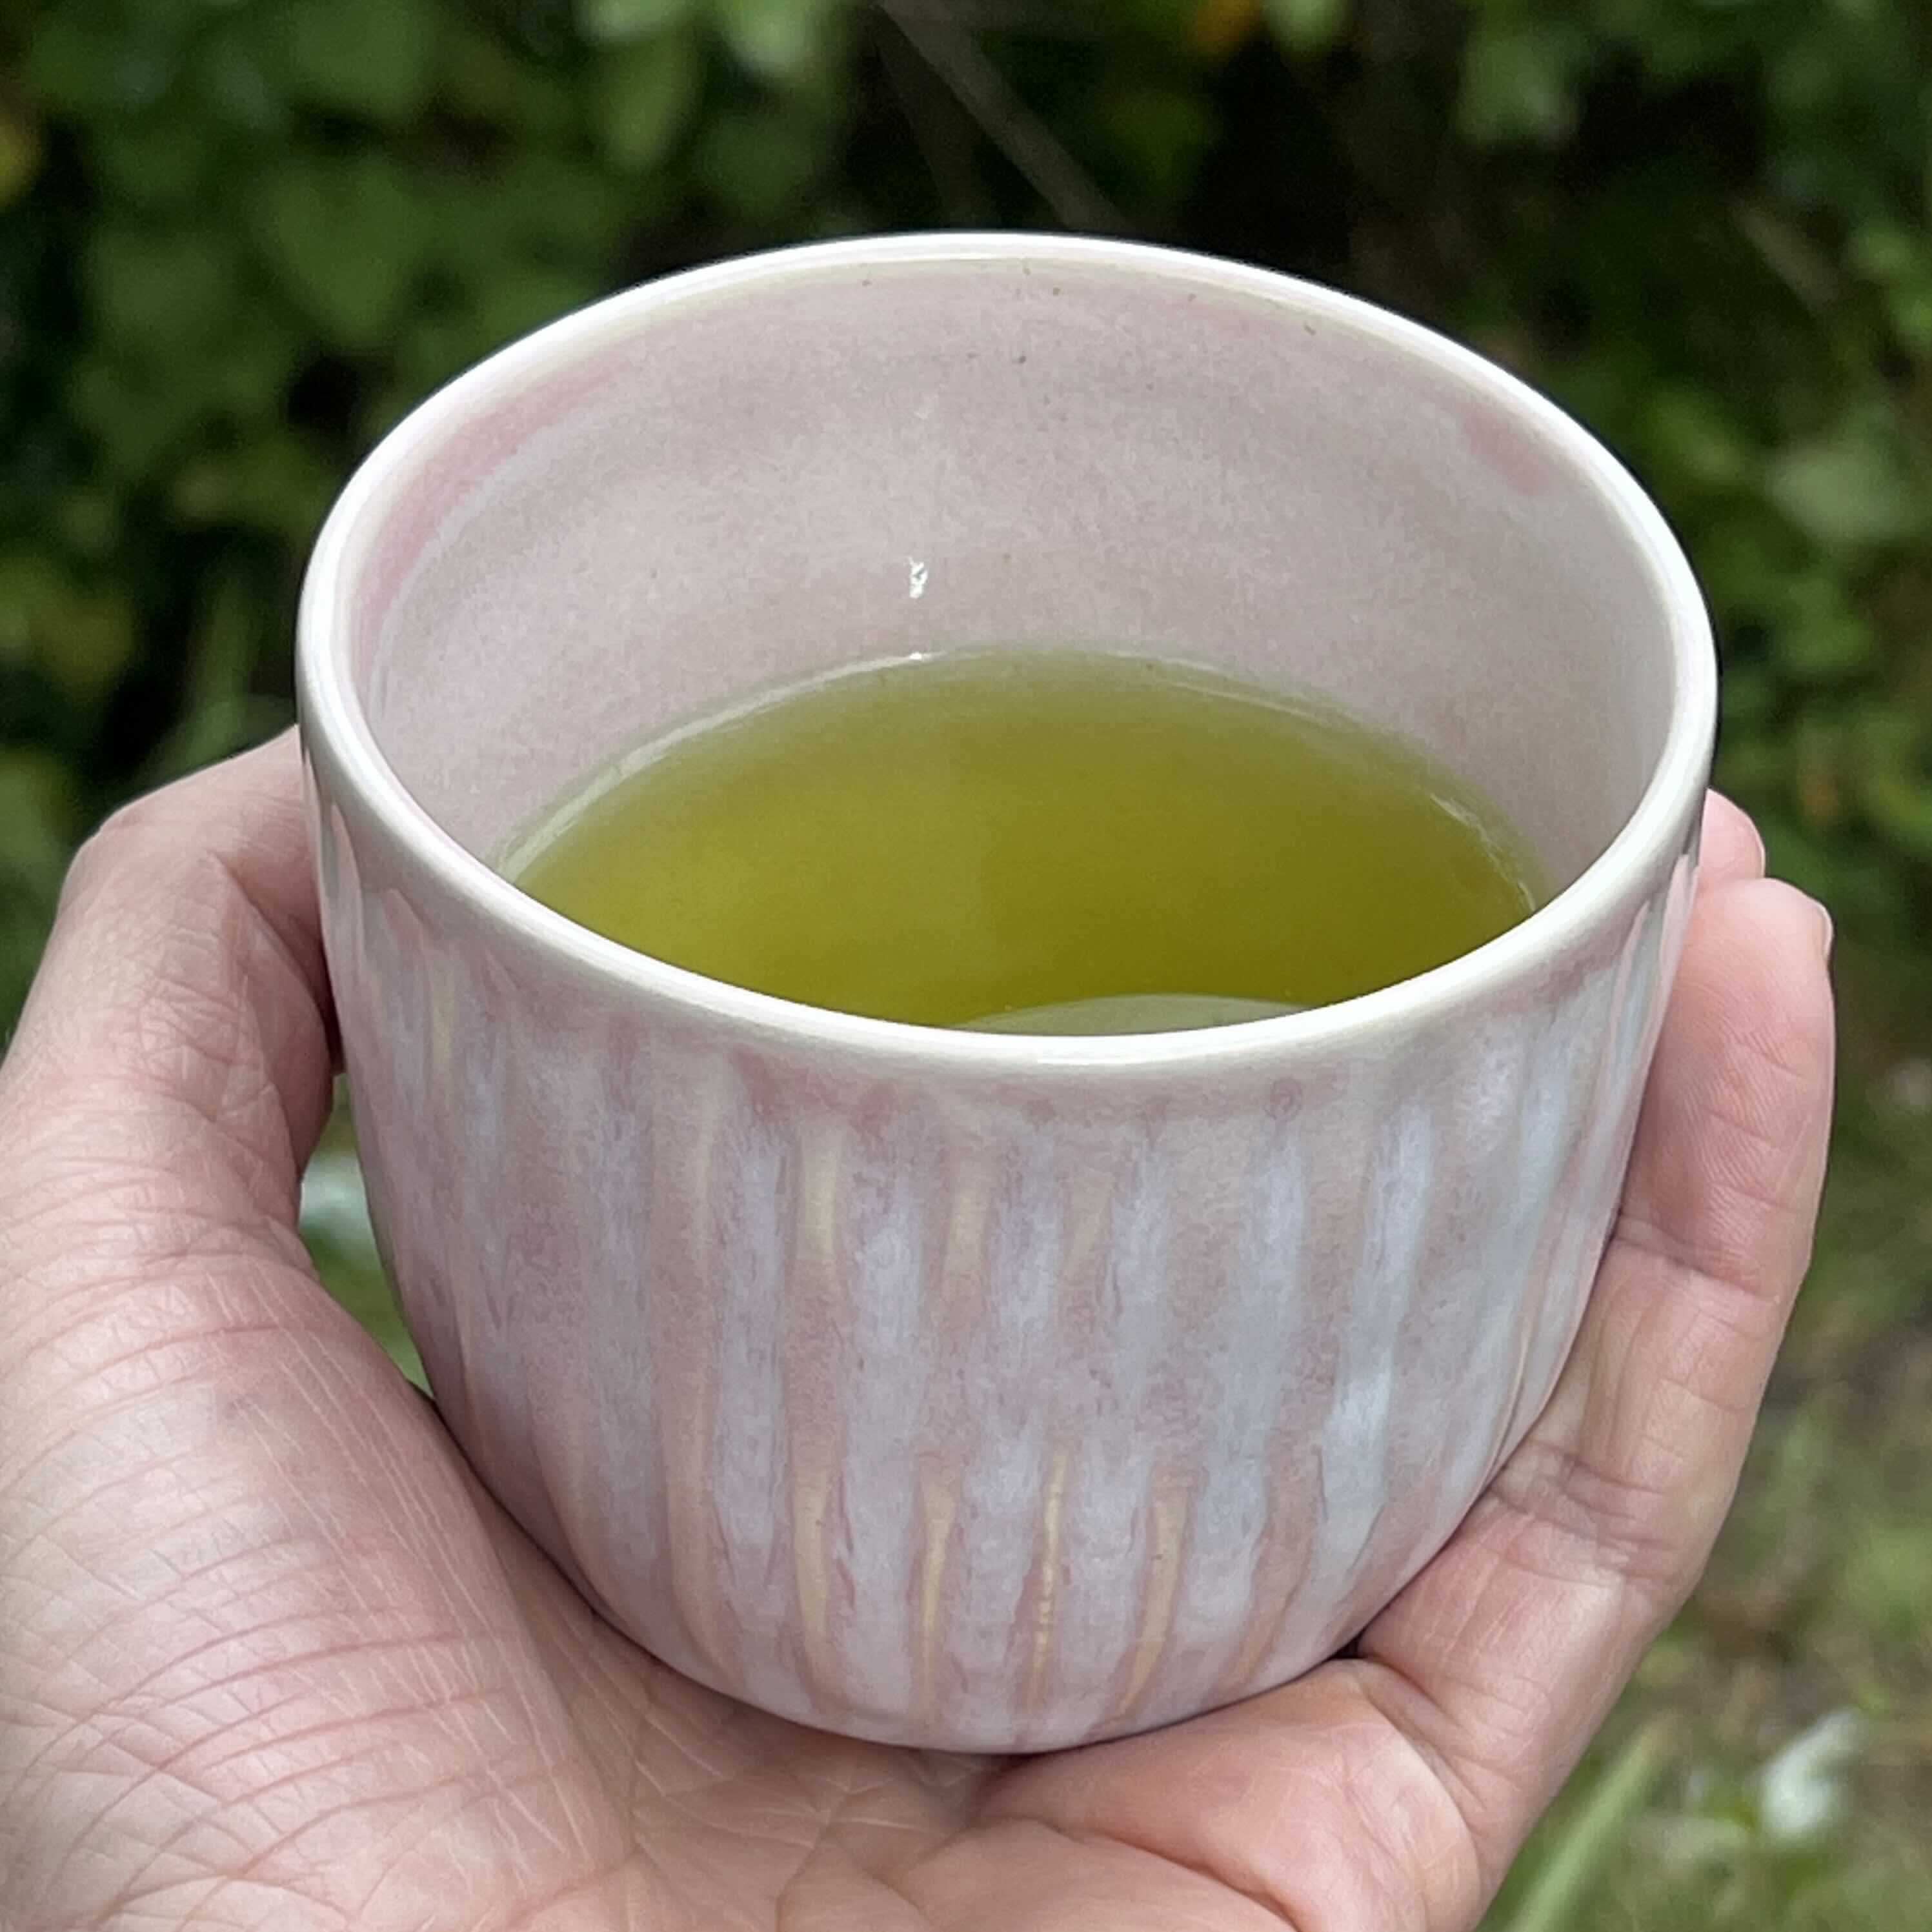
<point>332,715</point>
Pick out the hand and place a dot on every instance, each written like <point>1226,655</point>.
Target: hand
<point>271,1658</point>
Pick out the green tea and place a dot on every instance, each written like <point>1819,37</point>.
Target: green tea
<point>1056,842</point>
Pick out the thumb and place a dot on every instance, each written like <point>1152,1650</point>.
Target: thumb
<point>177,1038</point>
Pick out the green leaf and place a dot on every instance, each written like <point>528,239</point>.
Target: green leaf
<point>1890,1577</point>
<point>1903,812</point>
<point>89,519</point>
<point>36,818</point>
<point>1160,135</point>
<point>19,155</point>
<point>483,81</point>
<point>525,296</point>
<point>760,166</point>
<point>66,68</point>
<point>335,1224</point>
<point>539,202</point>
<point>1520,81</point>
<point>240,80</point>
<point>645,93</point>
<point>630,19</point>
<point>86,59</point>
<point>1898,260</point>
<point>1572,1857</point>
<point>1694,438</point>
<point>85,642</point>
<point>775,40</point>
<point>31,584</point>
<point>221,663</point>
<point>78,638</point>
<point>255,357</point>
<point>373,58</point>
<point>1820,635</point>
<point>345,239</point>
<point>1745,552</point>
<point>221,713</point>
<point>274,481</point>
<point>161,161</point>
<point>1209,26</point>
<point>1895,789</point>
<point>166,288</point>
<point>1307,26</point>
<point>1855,486</point>
<point>140,412</point>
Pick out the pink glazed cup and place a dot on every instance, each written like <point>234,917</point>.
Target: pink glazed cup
<point>989,1392</point>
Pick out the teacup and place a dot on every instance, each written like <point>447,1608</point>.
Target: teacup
<point>988,1392</point>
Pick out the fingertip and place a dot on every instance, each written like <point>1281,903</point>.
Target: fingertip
<point>1737,1117</point>
<point>188,942</point>
<point>1732,849</point>
<point>1758,958</point>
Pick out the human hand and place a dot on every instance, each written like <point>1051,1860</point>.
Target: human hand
<point>271,1659</point>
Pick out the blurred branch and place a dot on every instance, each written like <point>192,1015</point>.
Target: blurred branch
<point>1004,118</point>
<point>1573,1860</point>
<point>946,155</point>
<point>1791,256</point>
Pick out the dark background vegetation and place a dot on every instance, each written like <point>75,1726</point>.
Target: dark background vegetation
<point>239,238</point>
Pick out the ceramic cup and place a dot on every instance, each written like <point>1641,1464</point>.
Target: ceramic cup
<point>985,1392</point>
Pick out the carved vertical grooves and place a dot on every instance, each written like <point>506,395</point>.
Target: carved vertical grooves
<point>963,1411</point>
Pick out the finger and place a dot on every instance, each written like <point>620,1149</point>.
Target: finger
<point>1731,849</point>
<point>181,1002</point>
<point>257,1645</point>
<point>1502,1660</point>
<point>1392,1789</point>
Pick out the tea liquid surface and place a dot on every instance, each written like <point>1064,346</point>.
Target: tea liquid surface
<point>1054,842</point>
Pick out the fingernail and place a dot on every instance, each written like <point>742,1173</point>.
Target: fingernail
<point>1826,934</point>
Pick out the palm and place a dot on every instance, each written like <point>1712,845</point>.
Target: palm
<point>270,1657</point>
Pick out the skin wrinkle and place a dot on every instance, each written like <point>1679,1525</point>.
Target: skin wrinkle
<point>1275,1914</point>
<point>832,1823</point>
<point>162,1913</point>
<point>1708,1272</point>
<point>1366,1817</point>
<point>277,1666</point>
<point>1475,1880</point>
<point>419,1697</point>
<point>592,1664</point>
<point>252,1552</point>
<point>544,1912</point>
<point>155,1359</point>
<point>178,1008</point>
<point>47,1529</point>
<point>97,1265</point>
<point>279,1844</point>
<point>167,1771</point>
<point>231,1298</point>
<point>789,1913</point>
<point>410,1797</point>
<point>483,1789</point>
<point>1561,1489</point>
<point>420,1728</point>
<point>1244,1909</point>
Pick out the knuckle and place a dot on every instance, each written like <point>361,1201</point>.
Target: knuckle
<point>123,842</point>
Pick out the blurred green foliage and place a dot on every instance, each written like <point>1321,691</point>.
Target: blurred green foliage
<point>238,237</point>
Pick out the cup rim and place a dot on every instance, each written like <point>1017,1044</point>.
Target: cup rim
<point>331,714</point>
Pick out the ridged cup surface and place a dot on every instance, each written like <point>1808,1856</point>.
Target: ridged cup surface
<point>988,1393</point>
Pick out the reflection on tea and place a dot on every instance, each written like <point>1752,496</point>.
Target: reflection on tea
<point>1051,842</point>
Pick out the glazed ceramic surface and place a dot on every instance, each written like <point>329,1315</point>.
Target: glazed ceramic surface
<point>983,1392</point>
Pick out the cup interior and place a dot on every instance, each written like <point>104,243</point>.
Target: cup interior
<point>751,475</point>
